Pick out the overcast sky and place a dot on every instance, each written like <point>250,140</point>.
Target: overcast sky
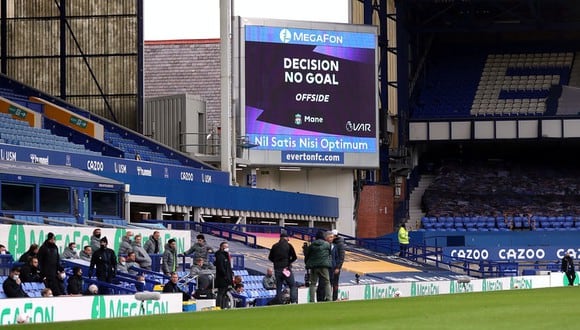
<point>200,19</point>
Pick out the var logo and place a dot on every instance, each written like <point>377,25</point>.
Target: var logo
<point>357,127</point>
<point>285,36</point>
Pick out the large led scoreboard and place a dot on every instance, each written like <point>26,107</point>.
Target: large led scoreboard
<point>308,93</point>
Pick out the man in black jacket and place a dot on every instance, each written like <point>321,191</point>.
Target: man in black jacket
<point>172,287</point>
<point>105,262</point>
<point>224,275</point>
<point>282,255</point>
<point>75,282</point>
<point>568,268</point>
<point>13,286</point>
<point>49,262</point>
<point>30,271</point>
<point>338,252</point>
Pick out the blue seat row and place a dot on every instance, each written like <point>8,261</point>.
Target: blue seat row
<point>116,222</point>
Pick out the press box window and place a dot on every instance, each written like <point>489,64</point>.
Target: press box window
<point>105,203</point>
<point>54,200</point>
<point>17,197</point>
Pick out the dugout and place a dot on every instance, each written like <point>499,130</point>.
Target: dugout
<point>57,192</point>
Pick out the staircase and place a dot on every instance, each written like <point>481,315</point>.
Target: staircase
<point>415,212</point>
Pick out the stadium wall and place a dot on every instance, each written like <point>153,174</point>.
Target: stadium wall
<point>60,309</point>
<point>45,310</point>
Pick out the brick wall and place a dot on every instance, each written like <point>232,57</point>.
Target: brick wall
<point>375,212</point>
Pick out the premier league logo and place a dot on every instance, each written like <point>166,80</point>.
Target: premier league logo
<point>285,36</point>
<point>298,119</point>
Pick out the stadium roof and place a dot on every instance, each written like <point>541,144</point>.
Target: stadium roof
<point>52,172</point>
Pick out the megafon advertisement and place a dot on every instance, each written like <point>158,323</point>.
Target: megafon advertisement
<point>309,93</point>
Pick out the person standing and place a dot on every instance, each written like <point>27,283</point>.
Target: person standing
<point>224,274</point>
<point>282,255</point>
<point>126,244</point>
<point>104,261</point>
<point>153,245</point>
<point>317,259</point>
<point>49,262</point>
<point>320,290</point>
<point>169,262</point>
<point>200,248</point>
<point>568,268</point>
<point>403,241</point>
<point>96,239</point>
<point>141,256</point>
<point>338,252</point>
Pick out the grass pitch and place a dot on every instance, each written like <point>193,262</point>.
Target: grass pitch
<point>516,309</point>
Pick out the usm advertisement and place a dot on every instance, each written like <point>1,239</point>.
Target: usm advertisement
<point>311,94</point>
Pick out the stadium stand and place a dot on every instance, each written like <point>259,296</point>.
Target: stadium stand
<point>480,198</point>
<point>117,139</point>
<point>18,132</point>
<point>498,84</point>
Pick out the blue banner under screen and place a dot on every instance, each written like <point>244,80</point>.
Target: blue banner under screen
<point>115,168</point>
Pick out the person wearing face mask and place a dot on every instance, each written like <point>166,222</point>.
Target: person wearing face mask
<point>13,286</point>
<point>126,244</point>
<point>140,286</point>
<point>60,288</point>
<point>96,239</point>
<point>104,261</point>
<point>70,252</point>
<point>3,250</point>
<point>75,282</point>
<point>224,274</point>
<point>122,265</point>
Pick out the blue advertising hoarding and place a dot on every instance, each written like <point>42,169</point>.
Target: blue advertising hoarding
<point>310,94</point>
<point>116,168</point>
<point>181,185</point>
<point>521,253</point>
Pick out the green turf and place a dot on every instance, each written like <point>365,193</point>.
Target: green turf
<point>516,309</point>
